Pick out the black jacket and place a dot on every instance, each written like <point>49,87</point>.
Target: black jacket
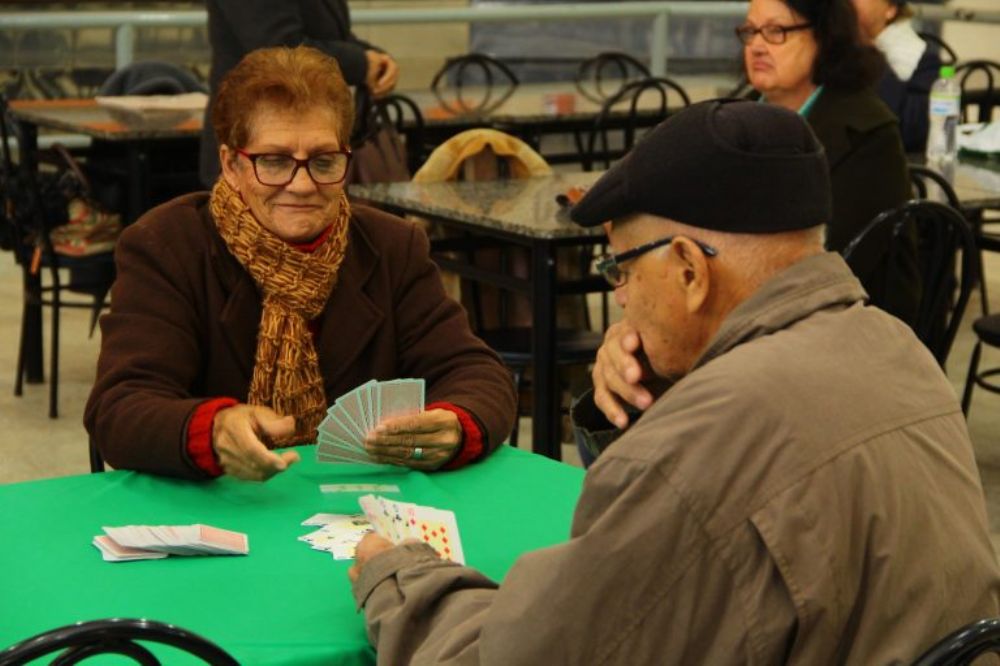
<point>236,27</point>
<point>909,99</point>
<point>868,175</point>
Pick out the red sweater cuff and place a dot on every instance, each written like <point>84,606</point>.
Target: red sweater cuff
<point>199,435</point>
<point>472,436</point>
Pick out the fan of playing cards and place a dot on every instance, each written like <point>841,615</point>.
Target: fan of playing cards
<point>396,521</point>
<point>153,542</point>
<point>399,521</point>
<point>356,413</point>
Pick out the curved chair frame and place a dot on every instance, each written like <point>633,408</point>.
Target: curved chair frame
<point>115,636</point>
<point>630,93</point>
<point>594,70</point>
<point>936,245</point>
<point>943,47</point>
<point>461,66</point>
<point>990,94</point>
<point>962,646</point>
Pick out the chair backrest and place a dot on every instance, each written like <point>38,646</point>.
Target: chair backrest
<point>945,52</point>
<point>963,645</point>
<point>492,80</point>
<point>923,178</point>
<point>979,81</point>
<point>630,100</point>
<point>482,154</point>
<point>151,77</point>
<point>945,244</point>
<point>605,74</point>
<point>116,636</point>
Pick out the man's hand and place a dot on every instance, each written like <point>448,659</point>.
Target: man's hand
<point>437,434</point>
<point>619,373</point>
<point>239,436</point>
<point>370,546</point>
<point>382,74</point>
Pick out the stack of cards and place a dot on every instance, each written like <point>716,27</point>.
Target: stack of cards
<point>342,433</point>
<point>339,534</point>
<point>398,521</point>
<point>153,542</point>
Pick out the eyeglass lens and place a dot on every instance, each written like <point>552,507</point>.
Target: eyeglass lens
<point>277,169</point>
<point>772,34</point>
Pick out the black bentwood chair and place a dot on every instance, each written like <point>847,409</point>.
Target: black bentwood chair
<point>944,243</point>
<point>492,80</point>
<point>34,204</point>
<point>83,640</point>
<point>964,645</point>
<point>985,95</point>
<point>627,100</point>
<point>605,74</point>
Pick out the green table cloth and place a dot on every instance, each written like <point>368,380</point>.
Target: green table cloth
<point>284,603</point>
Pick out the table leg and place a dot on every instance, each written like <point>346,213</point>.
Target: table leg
<point>138,193</point>
<point>32,324</point>
<point>545,414</point>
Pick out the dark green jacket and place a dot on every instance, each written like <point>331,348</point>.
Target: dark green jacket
<point>869,175</point>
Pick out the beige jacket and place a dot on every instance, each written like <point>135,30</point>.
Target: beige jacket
<point>806,495</point>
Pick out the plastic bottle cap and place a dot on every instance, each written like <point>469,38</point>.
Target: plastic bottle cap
<point>947,71</point>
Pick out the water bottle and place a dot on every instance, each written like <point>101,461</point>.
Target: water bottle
<point>944,109</point>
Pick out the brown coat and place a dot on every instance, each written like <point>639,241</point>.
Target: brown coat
<point>806,495</point>
<point>183,328</point>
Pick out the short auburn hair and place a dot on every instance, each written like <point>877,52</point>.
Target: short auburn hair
<point>299,79</point>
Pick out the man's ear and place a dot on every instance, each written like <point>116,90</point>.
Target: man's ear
<point>227,160</point>
<point>694,274</point>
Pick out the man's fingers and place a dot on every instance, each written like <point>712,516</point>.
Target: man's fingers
<point>273,426</point>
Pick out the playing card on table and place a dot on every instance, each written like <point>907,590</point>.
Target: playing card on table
<point>359,488</point>
<point>339,536</point>
<point>111,551</point>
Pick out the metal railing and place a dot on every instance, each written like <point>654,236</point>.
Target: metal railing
<point>125,23</point>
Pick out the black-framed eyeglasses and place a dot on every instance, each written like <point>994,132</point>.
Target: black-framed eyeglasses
<point>610,267</point>
<point>279,169</point>
<point>772,34</point>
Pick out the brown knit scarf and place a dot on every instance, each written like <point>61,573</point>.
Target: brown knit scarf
<point>296,286</point>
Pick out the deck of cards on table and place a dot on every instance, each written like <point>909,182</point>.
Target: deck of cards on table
<point>153,542</point>
<point>342,433</point>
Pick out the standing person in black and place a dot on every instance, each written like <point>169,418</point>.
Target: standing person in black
<point>236,27</point>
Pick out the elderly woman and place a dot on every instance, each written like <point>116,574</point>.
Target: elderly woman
<point>239,315</point>
<point>913,65</point>
<point>808,56</point>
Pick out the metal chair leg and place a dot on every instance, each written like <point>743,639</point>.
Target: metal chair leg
<point>19,379</point>
<point>54,356</point>
<point>970,380</point>
<point>518,378</point>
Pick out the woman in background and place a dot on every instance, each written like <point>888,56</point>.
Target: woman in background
<point>809,57</point>
<point>913,65</point>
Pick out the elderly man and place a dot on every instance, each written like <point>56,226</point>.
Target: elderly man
<point>799,485</point>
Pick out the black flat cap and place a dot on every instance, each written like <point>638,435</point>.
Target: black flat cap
<point>730,165</point>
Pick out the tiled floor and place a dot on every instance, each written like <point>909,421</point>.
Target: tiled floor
<point>34,446</point>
